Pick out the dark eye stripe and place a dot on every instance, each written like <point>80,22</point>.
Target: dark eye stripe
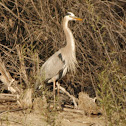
<point>68,13</point>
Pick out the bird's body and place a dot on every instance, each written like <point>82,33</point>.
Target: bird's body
<point>64,59</point>
<point>55,65</point>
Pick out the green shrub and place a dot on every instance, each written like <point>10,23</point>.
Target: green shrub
<point>112,94</point>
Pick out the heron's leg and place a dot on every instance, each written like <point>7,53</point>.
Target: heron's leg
<point>58,87</point>
<point>54,84</point>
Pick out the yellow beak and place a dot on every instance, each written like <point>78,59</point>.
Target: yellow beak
<point>79,19</point>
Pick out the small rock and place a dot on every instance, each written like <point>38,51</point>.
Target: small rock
<point>87,104</point>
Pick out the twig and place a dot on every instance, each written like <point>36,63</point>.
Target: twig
<point>12,12</point>
<point>67,93</point>
<point>22,66</point>
<point>73,110</point>
<point>8,97</point>
<point>13,110</point>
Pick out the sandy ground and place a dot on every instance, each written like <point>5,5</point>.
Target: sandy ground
<point>42,114</point>
<point>59,118</point>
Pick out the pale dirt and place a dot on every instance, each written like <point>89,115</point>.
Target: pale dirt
<point>48,119</point>
<point>42,115</point>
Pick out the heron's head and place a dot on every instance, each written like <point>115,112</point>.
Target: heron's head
<point>71,16</point>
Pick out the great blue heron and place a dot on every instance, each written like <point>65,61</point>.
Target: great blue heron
<point>64,59</point>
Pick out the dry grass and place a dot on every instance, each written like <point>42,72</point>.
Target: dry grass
<point>36,28</point>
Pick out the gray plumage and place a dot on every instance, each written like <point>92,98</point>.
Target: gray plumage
<point>64,59</point>
<point>53,66</point>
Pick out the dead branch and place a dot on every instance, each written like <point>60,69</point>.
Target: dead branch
<point>74,110</point>
<point>8,97</point>
<point>12,110</point>
<point>67,93</point>
<point>7,80</point>
<point>11,84</point>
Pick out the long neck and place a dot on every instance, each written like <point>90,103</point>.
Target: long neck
<point>69,36</point>
<point>69,49</point>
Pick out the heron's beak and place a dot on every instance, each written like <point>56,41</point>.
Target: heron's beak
<point>77,18</point>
